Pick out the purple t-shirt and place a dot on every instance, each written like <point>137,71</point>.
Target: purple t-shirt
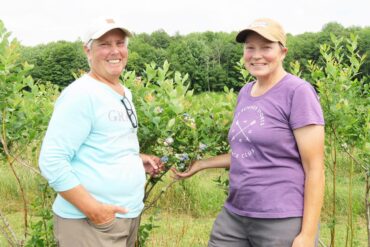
<point>266,173</point>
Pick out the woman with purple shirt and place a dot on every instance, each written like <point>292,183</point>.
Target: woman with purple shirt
<point>277,152</point>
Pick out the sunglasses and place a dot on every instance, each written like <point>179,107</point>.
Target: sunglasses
<point>130,112</point>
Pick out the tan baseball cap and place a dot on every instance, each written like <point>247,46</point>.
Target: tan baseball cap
<point>267,28</point>
<point>102,25</point>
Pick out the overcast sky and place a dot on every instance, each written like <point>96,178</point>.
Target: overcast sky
<point>41,21</point>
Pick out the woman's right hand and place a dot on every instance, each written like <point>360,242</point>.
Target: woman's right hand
<point>97,212</point>
<point>193,168</point>
<point>104,213</point>
<point>219,161</point>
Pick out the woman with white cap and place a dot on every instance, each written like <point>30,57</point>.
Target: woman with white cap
<point>90,153</point>
<point>277,151</point>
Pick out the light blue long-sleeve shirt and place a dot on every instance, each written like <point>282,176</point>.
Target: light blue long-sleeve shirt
<point>90,141</point>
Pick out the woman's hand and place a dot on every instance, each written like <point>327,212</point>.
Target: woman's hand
<point>219,161</point>
<point>104,213</point>
<point>97,212</point>
<point>152,164</point>
<point>193,168</point>
<point>303,241</point>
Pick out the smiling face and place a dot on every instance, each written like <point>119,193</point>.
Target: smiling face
<point>108,56</point>
<point>263,58</point>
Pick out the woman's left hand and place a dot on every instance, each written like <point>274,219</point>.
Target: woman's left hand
<point>303,241</point>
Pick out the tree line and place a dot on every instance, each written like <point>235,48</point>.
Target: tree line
<point>210,58</point>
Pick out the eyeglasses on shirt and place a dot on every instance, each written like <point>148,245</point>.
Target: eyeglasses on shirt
<point>130,112</point>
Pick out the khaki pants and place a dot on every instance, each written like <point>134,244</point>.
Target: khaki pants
<point>120,232</point>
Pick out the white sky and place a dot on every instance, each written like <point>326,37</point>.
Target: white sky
<point>42,21</point>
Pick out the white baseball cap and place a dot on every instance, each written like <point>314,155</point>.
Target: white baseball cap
<point>102,25</point>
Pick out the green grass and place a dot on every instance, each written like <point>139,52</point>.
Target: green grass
<point>177,230</point>
<point>9,188</point>
<point>342,232</point>
<point>197,196</point>
<point>184,230</point>
<point>15,219</point>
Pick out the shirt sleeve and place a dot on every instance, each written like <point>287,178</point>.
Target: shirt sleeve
<point>68,128</point>
<point>305,107</point>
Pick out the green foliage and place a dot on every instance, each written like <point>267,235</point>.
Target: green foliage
<point>24,106</point>
<point>142,51</point>
<point>41,233</point>
<point>25,110</point>
<point>302,48</point>
<point>208,58</point>
<point>160,39</point>
<point>174,123</point>
<point>222,183</point>
<point>146,228</point>
<point>344,96</point>
<point>56,62</point>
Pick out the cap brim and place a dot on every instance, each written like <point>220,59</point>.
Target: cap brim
<point>97,35</point>
<point>242,35</point>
